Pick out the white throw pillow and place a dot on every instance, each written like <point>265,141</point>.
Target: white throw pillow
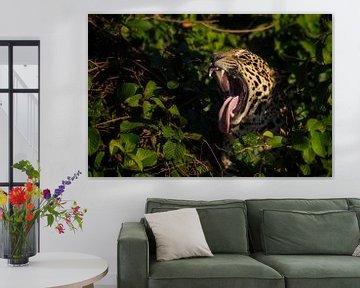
<point>357,251</point>
<point>178,234</point>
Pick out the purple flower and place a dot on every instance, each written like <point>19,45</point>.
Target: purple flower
<point>46,194</point>
<point>68,181</point>
<point>58,192</point>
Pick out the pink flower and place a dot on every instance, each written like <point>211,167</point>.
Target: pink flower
<point>68,219</point>
<point>76,210</point>
<point>1,213</point>
<point>60,228</point>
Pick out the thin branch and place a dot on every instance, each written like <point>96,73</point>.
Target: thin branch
<point>213,153</point>
<point>148,71</point>
<point>157,17</point>
<point>207,23</point>
<point>112,121</point>
<point>243,31</point>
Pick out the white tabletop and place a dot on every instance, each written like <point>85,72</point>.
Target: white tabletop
<point>45,270</point>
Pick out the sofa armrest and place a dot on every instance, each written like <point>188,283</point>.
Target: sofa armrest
<point>133,256</point>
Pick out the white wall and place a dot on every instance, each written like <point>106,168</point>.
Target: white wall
<point>62,28</point>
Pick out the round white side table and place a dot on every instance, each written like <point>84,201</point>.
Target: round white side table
<point>50,270</point>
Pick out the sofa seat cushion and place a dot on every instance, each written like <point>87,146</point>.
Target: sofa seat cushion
<point>313,271</point>
<point>222,270</point>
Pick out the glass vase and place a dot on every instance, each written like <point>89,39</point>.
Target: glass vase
<point>18,242</point>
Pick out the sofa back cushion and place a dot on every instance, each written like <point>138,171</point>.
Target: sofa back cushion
<point>353,201</point>
<point>354,205</point>
<point>223,222</point>
<point>298,232</point>
<point>255,206</point>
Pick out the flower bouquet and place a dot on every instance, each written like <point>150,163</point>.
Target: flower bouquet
<point>21,208</point>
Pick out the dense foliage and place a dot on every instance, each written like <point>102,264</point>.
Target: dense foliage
<point>153,108</point>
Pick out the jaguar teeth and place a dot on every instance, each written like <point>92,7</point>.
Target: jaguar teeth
<point>222,73</point>
<point>212,70</point>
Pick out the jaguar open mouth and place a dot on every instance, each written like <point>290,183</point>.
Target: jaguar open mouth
<point>235,91</point>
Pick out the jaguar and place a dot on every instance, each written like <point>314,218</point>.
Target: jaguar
<point>252,101</point>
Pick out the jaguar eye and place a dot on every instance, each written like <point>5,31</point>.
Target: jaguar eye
<point>242,57</point>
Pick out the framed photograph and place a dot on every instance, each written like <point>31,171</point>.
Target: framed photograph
<point>210,95</point>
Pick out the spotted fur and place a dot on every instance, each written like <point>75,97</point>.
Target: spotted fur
<point>253,102</point>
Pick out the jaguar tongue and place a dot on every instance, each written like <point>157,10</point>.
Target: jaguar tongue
<point>226,111</point>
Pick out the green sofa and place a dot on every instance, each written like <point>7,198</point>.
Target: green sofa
<point>260,243</point>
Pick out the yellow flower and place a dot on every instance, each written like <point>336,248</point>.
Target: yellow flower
<point>3,198</point>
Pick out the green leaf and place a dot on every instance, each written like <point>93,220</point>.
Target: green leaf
<point>251,139</point>
<point>179,135</point>
<point>115,144</point>
<point>301,143</point>
<point>158,102</point>
<point>310,24</point>
<point>89,82</point>
<point>180,151</point>
<point>310,47</point>
<point>127,126</point>
<point>94,140</point>
<point>168,132</point>
<point>269,159</point>
<point>142,174</point>
<point>308,155</point>
<point>147,110</point>
<point>314,124</point>
<point>26,167</point>
<point>174,111</point>
<point>193,136</point>
<point>327,51</point>
<point>275,142</point>
<point>268,134</point>
<point>305,169</point>
<point>174,151</point>
<point>317,144</point>
<point>139,24</point>
<point>172,84</point>
<point>50,219</point>
<point>327,164</point>
<point>150,89</point>
<point>127,143</point>
<point>147,157</point>
<point>127,90</point>
<point>98,159</point>
<point>128,163</point>
<point>137,161</point>
<point>169,150</point>
<point>133,101</point>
